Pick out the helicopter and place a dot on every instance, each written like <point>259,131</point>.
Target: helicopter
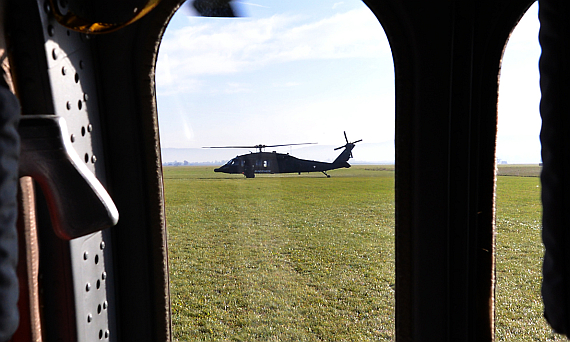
<point>272,162</point>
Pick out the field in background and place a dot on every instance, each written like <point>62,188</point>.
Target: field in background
<point>288,257</point>
<point>519,170</point>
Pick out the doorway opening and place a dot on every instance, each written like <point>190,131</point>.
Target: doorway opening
<point>279,256</point>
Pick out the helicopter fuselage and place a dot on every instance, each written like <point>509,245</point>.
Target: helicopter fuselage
<point>273,162</point>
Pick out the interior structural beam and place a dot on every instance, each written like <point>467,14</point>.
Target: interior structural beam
<point>447,56</point>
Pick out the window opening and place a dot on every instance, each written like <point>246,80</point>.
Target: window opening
<point>519,251</point>
<point>279,256</point>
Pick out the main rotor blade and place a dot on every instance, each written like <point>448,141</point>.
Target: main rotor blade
<point>345,138</point>
<point>354,142</point>
<point>289,144</point>
<point>229,146</point>
<point>258,146</point>
<point>215,8</point>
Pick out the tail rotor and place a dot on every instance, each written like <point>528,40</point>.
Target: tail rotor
<point>348,144</point>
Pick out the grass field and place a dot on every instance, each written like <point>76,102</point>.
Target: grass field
<point>306,258</point>
<point>519,254</point>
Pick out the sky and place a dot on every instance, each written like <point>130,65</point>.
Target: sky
<point>305,71</point>
<point>519,94</point>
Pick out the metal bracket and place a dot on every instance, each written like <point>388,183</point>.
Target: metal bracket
<point>78,203</point>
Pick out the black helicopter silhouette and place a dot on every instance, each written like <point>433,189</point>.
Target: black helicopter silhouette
<point>273,162</point>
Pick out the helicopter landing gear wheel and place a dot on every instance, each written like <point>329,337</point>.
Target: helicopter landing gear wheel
<point>326,174</point>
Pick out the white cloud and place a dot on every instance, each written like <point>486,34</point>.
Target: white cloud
<point>237,87</point>
<point>286,84</point>
<point>275,102</point>
<point>163,75</point>
<point>178,87</point>
<point>251,4</point>
<point>336,4</point>
<point>231,46</point>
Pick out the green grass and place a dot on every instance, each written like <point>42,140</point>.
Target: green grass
<point>306,258</point>
<point>519,255</point>
<point>288,258</point>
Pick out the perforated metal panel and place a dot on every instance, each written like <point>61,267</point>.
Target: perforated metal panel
<point>74,93</point>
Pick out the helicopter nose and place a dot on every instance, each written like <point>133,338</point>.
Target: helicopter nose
<point>223,168</point>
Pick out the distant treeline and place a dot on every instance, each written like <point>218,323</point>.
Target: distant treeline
<point>187,163</point>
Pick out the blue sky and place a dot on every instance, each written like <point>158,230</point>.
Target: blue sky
<point>305,71</point>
